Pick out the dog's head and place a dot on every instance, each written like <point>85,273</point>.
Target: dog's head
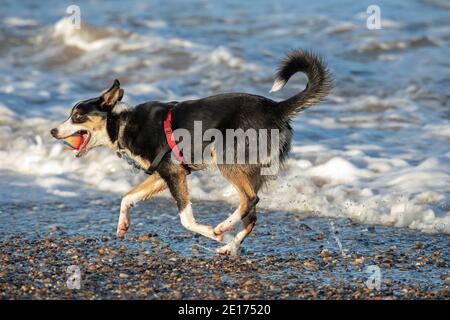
<point>89,118</point>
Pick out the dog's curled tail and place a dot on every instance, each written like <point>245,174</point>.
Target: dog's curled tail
<point>319,81</point>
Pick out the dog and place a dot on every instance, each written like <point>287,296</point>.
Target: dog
<point>145,134</point>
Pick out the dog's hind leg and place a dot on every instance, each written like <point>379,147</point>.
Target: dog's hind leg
<point>247,183</point>
<point>249,223</point>
<point>148,188</point>
<point>175,177</point>
<point>242,182</point>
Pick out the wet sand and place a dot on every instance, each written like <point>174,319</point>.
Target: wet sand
<point>287,257</point>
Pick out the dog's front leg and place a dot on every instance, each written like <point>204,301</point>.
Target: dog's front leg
<point>175,177</point>
<point>147,189</point>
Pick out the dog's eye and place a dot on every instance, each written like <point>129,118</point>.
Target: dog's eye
<point>78,118</point>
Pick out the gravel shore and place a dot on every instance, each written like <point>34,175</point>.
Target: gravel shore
<point>289,256</point>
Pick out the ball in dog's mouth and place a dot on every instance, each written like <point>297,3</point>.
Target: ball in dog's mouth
<point>78,141</point>
<point>86,138</point>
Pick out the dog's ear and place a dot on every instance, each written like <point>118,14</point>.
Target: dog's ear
<point>112,95</point>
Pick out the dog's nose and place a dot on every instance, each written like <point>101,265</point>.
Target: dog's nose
<point>54,132</point>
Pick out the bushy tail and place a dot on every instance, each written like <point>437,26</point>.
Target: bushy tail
<point>319,81</point>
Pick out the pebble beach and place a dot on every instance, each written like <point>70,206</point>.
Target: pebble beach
<point>286,258</point>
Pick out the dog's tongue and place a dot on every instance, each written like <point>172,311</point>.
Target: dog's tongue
<point>80,150</point>
<point>84,136</point>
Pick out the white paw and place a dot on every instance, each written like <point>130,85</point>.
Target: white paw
<point>229,249</point>
<point>122,229</point>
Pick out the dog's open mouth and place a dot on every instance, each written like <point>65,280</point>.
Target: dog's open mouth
<point>83,147</point>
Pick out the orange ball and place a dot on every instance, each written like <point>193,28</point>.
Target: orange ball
<point>73,142</point>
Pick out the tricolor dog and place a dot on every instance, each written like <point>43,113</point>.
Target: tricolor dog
<point>145,134</point>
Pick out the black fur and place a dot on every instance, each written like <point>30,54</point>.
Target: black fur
<point>319,81</point>
<point>112,126</point>
<point>143,129</point>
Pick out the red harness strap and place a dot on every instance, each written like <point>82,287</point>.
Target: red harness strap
<point>171,141</point>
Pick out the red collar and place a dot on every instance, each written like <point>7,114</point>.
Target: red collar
<point>171,145</point>
<point>171,141</point>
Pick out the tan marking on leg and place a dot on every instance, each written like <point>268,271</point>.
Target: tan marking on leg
<point>243,185</point>
<point>249,220</point>
<point>249,223</point>
<point>144,191</point>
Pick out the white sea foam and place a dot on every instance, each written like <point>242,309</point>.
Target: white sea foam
<point>20,22</point>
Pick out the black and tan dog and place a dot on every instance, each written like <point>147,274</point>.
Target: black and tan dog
<point>140,133</point>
